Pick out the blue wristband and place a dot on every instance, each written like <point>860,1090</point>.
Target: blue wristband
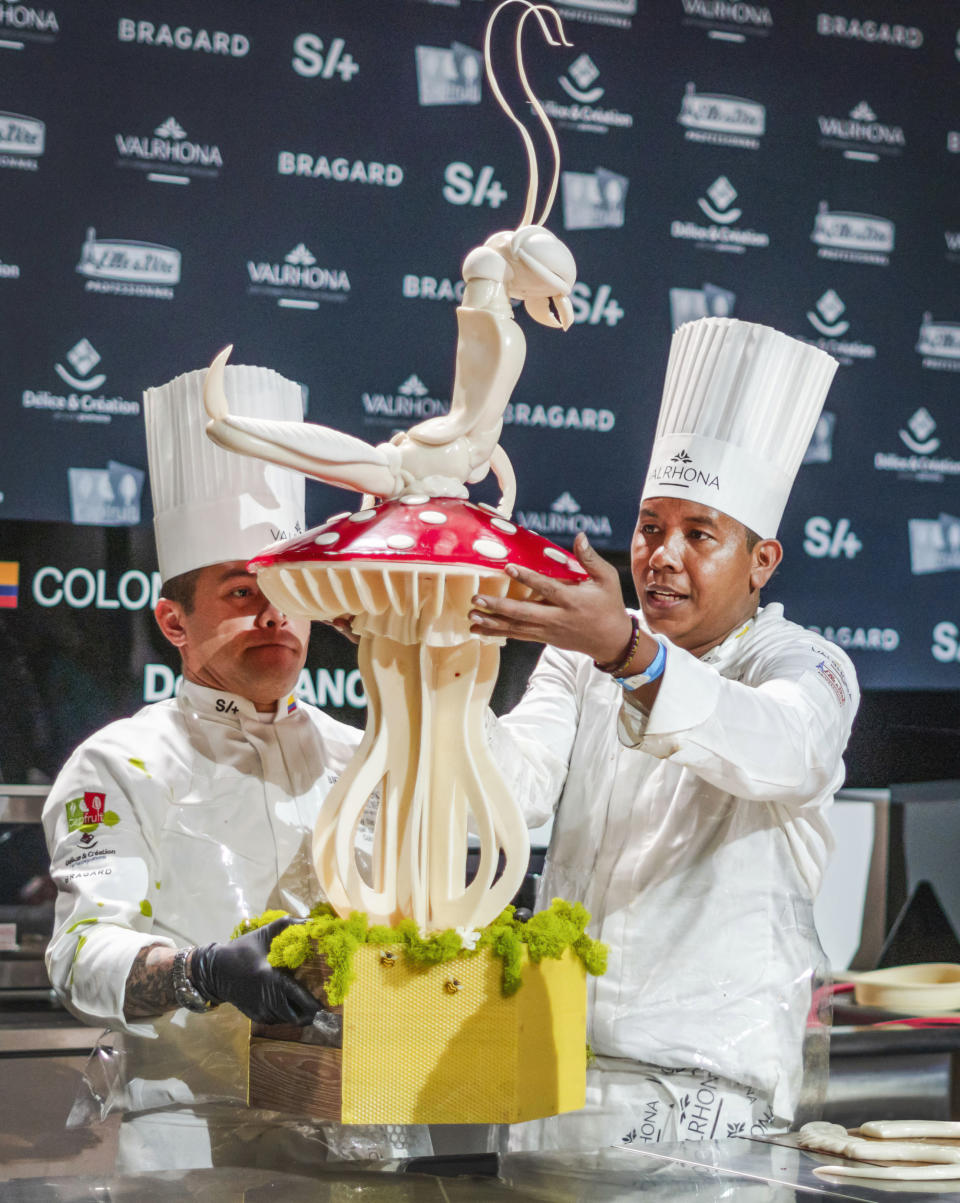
<point>652,672</point>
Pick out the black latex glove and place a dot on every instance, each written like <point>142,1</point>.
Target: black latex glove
<point>238,972</point>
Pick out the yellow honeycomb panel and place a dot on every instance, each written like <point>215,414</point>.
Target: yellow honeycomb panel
<point>443,1045</point>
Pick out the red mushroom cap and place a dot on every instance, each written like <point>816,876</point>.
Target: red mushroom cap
<point>417,529</point>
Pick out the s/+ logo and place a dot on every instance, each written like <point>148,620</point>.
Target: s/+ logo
<point>462,187</point>
<point>826,541</point>
<point>591,308</point>
<point>311,60</point>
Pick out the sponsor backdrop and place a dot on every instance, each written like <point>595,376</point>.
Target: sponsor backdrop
<point>304,179</point>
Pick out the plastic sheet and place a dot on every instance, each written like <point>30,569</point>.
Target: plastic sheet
<point>224,1129</point>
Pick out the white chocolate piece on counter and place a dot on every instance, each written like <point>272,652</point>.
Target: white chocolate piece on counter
<point>834,1138</point>
<point>891,1173</point>
<point>900,1129</point>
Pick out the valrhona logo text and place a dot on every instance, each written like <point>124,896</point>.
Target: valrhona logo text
<point>125,268</point>
<point>681,472</point>
<point>22,141</point>
<point>22,23</point>
<point>722,120</point>
<point>409,402</point>
<point>84,402</point>
<point>852,237</point>
<point>168,155</point>
<point>728,20</point>
<point>299,281</point>
<point>723,233</point>
<point>566,518</point>
<point>860,135</point>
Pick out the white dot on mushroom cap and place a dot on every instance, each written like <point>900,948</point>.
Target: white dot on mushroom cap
<point>414,499</point>
<point>502,524</point>
<point>401,542</point>
<point>326,539</point>
<point>363,515</point>
<point>555,554</point>
<point>492,509</point>
<point>434,517</point>
<point>337,517</point>
<point>575,567</point>
<point>489,547</point>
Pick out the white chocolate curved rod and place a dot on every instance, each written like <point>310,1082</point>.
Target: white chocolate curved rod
<point>424,749</point>
<point>533,182</point>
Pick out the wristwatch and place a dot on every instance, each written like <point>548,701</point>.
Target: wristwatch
<point>185,992</point>
<point>653,670</point>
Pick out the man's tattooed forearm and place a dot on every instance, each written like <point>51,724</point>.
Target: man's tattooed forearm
<point>149,989</point>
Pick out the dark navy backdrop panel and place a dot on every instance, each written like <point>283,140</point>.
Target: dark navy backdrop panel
<point>304,179</point>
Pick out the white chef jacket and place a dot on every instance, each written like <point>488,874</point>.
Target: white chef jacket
<point>696,837</point>
<point>206,816</point>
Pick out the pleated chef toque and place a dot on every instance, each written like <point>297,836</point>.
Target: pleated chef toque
<point>210,505</point>
<point>740,404</point>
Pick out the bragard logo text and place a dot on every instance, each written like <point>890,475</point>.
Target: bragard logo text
<point>875,32</point>
<point>320,167</point>
<point>182,37</point>
<point>861,639</point>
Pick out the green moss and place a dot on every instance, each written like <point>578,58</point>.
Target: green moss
<point>145,908</point>
<point>137,764</point>
<point>547,934</point>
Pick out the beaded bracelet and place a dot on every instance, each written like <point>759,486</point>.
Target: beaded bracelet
<point>624,662</point>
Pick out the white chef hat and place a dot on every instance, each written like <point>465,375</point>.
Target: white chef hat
<point>211,505</point>
<point>740,403</point>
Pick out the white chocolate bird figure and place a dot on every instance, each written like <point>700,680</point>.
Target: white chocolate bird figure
<point>442,455</point>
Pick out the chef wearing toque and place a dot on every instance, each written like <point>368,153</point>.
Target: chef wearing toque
<point>167,828</point>
<point>688,751</point>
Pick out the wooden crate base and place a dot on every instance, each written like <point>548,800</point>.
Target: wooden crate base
<point>431,1045</point>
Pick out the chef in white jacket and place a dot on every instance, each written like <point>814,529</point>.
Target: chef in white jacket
<point>688,751</point>
<point>167,828</point>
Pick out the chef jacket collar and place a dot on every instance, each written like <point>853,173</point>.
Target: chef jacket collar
<point>220,706</point>
<point>738,637</point>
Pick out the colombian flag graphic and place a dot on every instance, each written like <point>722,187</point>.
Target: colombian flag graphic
<point>9,584</point>
<point>291,704</point>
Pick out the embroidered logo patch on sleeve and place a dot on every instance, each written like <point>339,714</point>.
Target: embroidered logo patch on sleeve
<point>89,810</point>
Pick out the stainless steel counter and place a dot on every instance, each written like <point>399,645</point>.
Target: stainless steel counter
<point>742,1171</point>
